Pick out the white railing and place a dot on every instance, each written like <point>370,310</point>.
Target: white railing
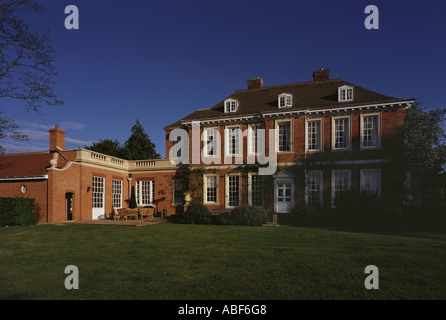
<point>84,155</point>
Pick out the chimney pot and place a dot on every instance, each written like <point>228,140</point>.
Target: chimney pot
<point>255,83</point>
<point>321,75</point>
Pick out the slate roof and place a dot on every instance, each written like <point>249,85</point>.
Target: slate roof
<point>306,95</point>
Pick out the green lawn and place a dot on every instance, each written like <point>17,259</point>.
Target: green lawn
<point>169,261</point>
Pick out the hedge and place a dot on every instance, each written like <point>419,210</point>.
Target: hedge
<point>18,211</point>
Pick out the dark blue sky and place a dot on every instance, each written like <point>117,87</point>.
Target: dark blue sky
<point>161,60</point>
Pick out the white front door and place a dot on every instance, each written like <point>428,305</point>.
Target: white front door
<point>98,197</point>
<point>283,196</point>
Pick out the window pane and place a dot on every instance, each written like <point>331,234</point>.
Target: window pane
<point>98,192</point>
<point>234,191</point>
<point>211,189</point>
<point>370,180</point>
<point>370,131</point>
<point>289,101</point>
<point>341,133</point>
<point>313,135</point>
<point>211,142</point>
<point>178,196</point>
<point>257,190</point>
<point>282,101</point>
<point>117,193</point>
<point>284,136</point>
<point>233,135</point>
<point>341,182</point>
<point>314,188</point>
<point>145,192</point>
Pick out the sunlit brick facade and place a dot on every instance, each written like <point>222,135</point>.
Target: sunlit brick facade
<point>329,135</point>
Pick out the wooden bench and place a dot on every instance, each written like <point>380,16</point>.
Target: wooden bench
<point>146,212</point>
<point>127,213</point>
<point>137,213</point>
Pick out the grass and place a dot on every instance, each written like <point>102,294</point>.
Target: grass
<point>170,261</point>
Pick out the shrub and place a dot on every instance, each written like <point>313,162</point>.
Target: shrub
<point>248,215</point>
<point>18,211</point>
<point>197,213</point>
<point>355,208</point>
<point>307,215</point>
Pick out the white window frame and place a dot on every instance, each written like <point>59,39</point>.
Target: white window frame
<point>117,193</point>
<point>333,182</point>
<point>216,142</point>
<point>227,189</point>
<point>285,100</point>
<point>176,201</point>
<point>238,147</point>
<point>321,135</point>
<point>98,192</point>
<point>205,188</point>
<point>291,140</point>
<point>348,135</point>
<point>250,193</point>
<point>231,105</point>
<point>253,138</point>
<point>320,183</point>
<point>345,93</point>
<point>362,180</point>
<point>140,197</point>
<point>378,133</point>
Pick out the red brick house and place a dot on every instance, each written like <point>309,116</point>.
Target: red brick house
<point>80,184</point>
<point>328,135</point>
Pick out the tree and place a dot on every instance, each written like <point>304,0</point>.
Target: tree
<point>425,140</point>
<point>107,146</point>
<point>139,146</point>
<point>8,128</point>
<point>26,60</point>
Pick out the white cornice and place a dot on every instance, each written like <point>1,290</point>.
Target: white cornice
<point>42,177</point>
<point>304,112</point>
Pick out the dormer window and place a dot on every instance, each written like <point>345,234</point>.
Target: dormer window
<point>285,100</point>
<point>231,105</point>
<point>345,93</point>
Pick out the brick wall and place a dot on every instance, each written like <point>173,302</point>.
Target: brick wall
<point>36,189</point>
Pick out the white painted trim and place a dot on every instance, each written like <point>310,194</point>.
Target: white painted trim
<point>237,103</point>
<point>361,130</point>
<point>205,189</point>
<point>329,109</point>
<point>345,88</point>
<point>249,137</point>
<point>43,177</point>
<point>276,126</point>
<point>285,95</point>
<point>227,175</point>
<point>217,143</point>
<point>226,141</point>
<point>321,134</point>
<point>333,137</point>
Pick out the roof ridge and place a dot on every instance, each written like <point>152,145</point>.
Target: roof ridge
<point>24,153</point>
<point>290,84</point>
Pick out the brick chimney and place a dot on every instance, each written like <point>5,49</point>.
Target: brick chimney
<point>255,83</point>
<point>57,138</point>
<point>321,75</point>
